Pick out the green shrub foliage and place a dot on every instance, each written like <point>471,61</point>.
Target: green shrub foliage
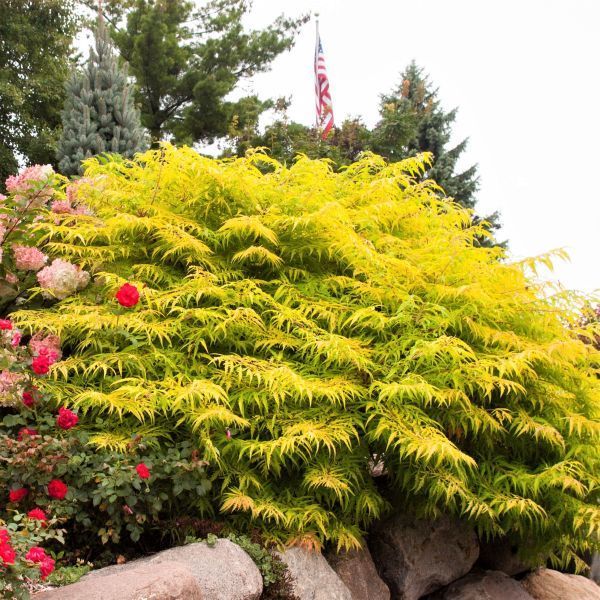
<point>307,327</point>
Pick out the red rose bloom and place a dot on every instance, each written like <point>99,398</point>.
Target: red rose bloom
<point>57,489</point>
<point>26,431</point>
<point>17,495</point>
<point>7,554</point>
<point>46,567</point>
<point>5,324</point>
<point>41,364</point>
<point>4,536</point>
<point>28,399</point>
<point>36,554</point>
<point>128,295</point>
<point>66,418</point>
<point>143,471</point>
<point>38,514</point>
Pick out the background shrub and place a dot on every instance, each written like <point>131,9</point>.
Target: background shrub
<point>302,325</point>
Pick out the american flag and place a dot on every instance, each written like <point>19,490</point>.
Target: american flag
<point>323,96</point>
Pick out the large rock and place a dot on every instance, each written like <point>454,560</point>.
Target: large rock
<point>418,557</point>
<point>488,585</point>
<point>223,571</point>
<point>546,584</point>
<point>167,581</point>
<point>500,555</point>
<point>595,568</point>
<point>313,578</point>
<point>357,571</point>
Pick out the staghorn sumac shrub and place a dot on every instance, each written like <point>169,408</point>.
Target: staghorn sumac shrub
<point>300,325</point>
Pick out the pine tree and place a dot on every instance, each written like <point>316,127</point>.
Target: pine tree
<point>99,115</point>
<point>413,121</point>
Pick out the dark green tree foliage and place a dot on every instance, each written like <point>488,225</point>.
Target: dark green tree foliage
<point>35,46</point>
<point>187,60</point>
<point>99,114</point>
<point>285,140</point>
<point>413,121</point>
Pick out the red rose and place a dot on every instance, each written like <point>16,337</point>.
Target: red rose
<point>143,471</point>
<point>17,495</point>
<point>38,514</point>
<point>26,431</point>
<point>36,554</point>
<point>46,567</point>
<point>66,418</point>
<point>7,554</point>
<point>57,489</point>
<point>28,399</point>
<point>4,536</point>
<point>128,295</point>
<point>41,364</point>
<point>5,324</point>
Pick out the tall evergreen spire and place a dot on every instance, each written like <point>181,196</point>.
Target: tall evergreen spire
<point>99,114</point>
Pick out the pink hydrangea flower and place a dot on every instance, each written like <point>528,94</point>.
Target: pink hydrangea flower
<point>66,208</point>
<point>11,278</point>
<point>61,207</point>
<point>9,381</point>
<point>29,179</point>
<point>28,258</point>
<point>22,181</point>
<point>61,279</point>
<point>46,346</point>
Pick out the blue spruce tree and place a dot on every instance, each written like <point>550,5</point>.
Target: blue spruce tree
<point>99,113</point>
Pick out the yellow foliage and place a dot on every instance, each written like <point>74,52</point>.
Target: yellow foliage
<point>321,319</point>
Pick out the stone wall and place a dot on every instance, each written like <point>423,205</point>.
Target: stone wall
<point>406,559</point>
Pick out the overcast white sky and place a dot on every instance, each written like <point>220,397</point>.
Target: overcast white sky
<point>525,76</point>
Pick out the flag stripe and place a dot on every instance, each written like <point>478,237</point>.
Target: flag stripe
<point>324,105</point>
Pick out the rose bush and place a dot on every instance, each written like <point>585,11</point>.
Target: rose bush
<point>21,556</point>
<point>50,472</point>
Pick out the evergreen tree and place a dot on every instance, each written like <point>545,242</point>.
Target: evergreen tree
<point>35,50</point>
<point>99,114</point>
<point>188,59</point>
<point>413,121</point>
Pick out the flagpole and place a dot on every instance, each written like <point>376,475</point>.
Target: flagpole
<point>317,120</point>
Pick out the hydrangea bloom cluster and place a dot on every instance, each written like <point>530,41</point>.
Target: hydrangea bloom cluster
<point>61,279</point>
<point>71,205</point>
<point>37,178</point>
<point>33,191</point>
<point>28,258</point>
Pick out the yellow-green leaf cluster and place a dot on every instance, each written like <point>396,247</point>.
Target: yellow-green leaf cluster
<point>305,325</point>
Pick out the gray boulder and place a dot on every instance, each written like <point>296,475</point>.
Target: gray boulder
<point>167,581</point>
<point>595,568</point>
<point>357,571</point>
<point>488,585</point>
<point>547,584</point>
<point>419,557</point>
<point>222,571</point>
<point>313,578</point>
